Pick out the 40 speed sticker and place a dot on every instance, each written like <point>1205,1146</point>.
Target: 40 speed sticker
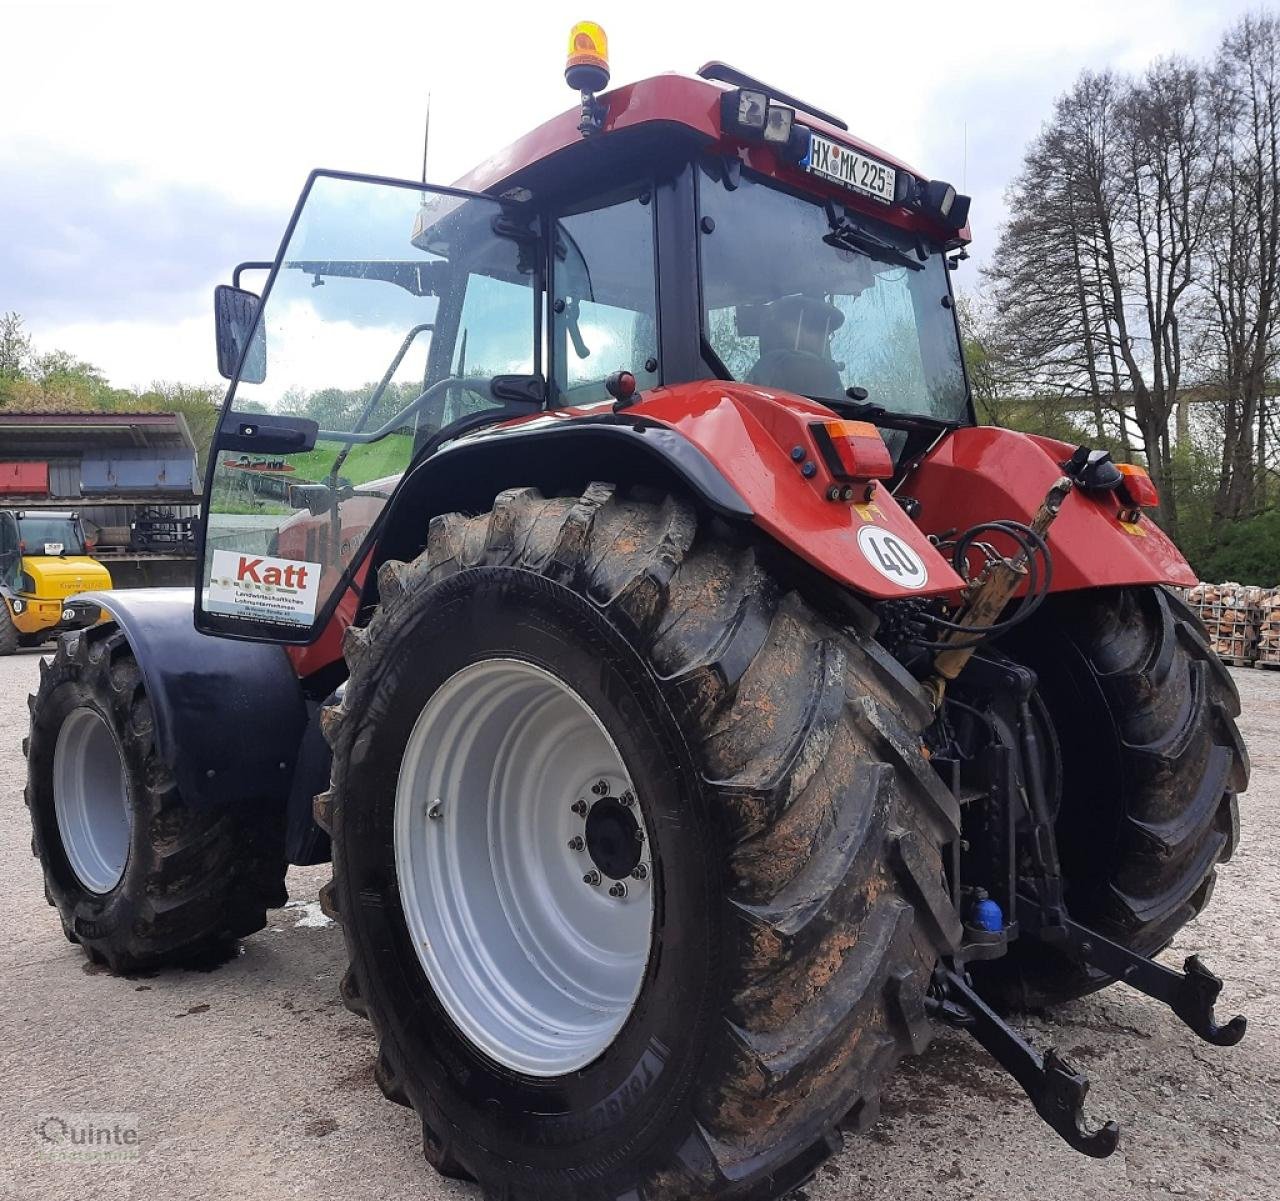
<point>892,557</point>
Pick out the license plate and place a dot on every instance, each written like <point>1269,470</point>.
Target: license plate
<point>853,170</point>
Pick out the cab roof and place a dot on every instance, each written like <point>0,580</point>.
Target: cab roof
<point>639,120</point>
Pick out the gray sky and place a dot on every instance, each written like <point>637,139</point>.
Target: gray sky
<point>146,148</point>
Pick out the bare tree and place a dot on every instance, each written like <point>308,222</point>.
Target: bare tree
<point>1243,263</point>
<point>1097,279</point>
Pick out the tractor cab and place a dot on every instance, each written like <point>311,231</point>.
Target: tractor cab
<point>679,229</point>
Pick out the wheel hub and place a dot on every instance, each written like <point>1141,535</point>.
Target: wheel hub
<point>611,838</point>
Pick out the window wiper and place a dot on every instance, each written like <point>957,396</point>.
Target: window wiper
<point>864,410</point>
<point>845,235</point>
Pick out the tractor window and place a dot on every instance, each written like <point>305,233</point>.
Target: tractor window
<point>490,307</point>
<point>49,535</point>
<point>604,299</point>
<point>790,306</point>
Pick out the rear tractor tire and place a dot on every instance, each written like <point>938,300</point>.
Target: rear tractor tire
<point>1144,713</point>
<point>637,857</point>
<point>139,878</point>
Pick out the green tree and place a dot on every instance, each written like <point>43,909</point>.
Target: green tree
<point>15,349</point>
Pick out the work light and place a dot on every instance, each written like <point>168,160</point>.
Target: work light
<point>777,124</point>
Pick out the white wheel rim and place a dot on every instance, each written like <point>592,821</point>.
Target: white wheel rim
<point>505,768</point>
<point>91,800</point>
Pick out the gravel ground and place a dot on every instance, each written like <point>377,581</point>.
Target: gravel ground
<point>253,1081</point>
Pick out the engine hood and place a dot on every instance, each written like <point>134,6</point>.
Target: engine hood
<point>65,576</point>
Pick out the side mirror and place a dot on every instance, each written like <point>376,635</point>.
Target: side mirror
<point>317,499</point>
<point>235,319</point>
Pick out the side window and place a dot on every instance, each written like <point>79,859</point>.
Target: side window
<point>604,298</point>
<point>492,339</point>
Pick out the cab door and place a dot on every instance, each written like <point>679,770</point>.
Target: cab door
<point>392,310</point>
<point>10,555</point>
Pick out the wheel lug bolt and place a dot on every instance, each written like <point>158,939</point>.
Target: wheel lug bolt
<point>628,798</point>
<point>619,890</point>
<point>600,787</point>
<point>639,836</point>
<point>640,872</point>
<point>576,844</point>
<point>592,878</point>
<point>580,807</point>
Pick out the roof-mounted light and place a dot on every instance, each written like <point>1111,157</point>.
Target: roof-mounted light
<point>943,203</point>
<point>587,71</point>
<point>749,113</point>
<point>778,123</point>
<point>587,67</point>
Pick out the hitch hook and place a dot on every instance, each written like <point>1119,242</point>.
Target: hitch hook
<point>1194,1004</point>
<point>1054,1087</point>
<point>1191,993</point>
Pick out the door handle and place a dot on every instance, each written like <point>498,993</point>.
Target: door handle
<point>267,434</point>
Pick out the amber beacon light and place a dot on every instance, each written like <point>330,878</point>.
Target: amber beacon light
<point>587,67</point>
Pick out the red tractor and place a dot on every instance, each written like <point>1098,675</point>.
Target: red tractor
<point>602,564</point>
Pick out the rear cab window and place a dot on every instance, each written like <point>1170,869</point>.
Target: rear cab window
<point>604,304</point>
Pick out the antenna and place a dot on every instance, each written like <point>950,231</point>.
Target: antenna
<point>426,137</point>
<point>964,170</point>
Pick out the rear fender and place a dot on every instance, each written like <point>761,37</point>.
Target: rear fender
<point>762,442</point>
<point>983,473</point>
<point>229,716</point>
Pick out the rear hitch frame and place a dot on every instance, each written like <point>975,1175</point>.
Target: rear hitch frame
<point>1191,993</point>
<point>1053,1086</point>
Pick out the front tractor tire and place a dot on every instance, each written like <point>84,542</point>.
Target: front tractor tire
<point>637,857</point>
<point>139,878</point>
<point>10,639</point>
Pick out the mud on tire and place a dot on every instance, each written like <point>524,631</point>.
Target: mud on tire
<point>797,829</point>
<point>193,880</point>
<point>1145,715</point>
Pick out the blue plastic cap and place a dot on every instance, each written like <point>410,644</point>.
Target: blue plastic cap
<point>987,915</point>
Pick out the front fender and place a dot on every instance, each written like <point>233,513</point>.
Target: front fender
<point>229,716</point>
<point>984,473</point>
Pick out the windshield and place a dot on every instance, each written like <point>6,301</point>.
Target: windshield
<point>794,301</point>
<point>393,308</point>
<point>50,536</point>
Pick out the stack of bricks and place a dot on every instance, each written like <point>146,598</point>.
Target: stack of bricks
<point>1231,614</point>
<point>1269,629</point>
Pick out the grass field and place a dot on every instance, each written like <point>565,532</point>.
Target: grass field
<point>370,461</point>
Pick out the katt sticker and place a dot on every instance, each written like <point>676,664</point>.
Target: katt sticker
<point>263,587</point>
<point>892,557</point>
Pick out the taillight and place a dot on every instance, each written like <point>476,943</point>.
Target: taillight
<point>1136,488</point>
<point>853,450</point>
